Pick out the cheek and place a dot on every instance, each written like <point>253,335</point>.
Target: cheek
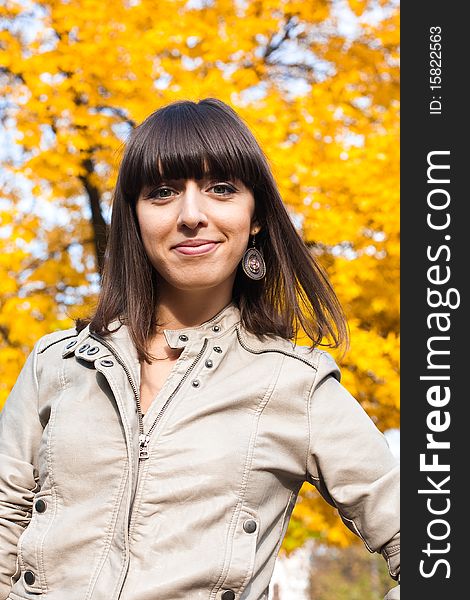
<point>238,231</point>
<point>236,224</point>
<point>152,228</point>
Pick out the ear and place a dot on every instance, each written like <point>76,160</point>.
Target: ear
<point>255,226</point>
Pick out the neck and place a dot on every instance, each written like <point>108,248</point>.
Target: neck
<point>179,309</point>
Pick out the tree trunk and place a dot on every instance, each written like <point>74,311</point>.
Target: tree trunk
<point>99,225</point>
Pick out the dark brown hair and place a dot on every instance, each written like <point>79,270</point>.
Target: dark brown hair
<point>189,140</point>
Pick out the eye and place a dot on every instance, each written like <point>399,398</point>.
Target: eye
<point>155,193</point>
<point>228,187</point>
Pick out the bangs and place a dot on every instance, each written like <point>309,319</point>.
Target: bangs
<point>189,141</point>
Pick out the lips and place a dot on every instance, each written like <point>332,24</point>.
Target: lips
<point>193,247</point>
<point>195,242</point>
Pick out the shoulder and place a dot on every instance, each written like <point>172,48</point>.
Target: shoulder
<point>320,362</point>
<point>52,341</point>
<point>50,350</point>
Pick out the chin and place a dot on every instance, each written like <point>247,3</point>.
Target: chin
<point>198,285</point>
<point>194,278</point>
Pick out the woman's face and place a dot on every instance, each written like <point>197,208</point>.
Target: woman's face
<point>196,231</point>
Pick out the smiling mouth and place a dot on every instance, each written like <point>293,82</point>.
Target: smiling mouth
<point>195,250</point>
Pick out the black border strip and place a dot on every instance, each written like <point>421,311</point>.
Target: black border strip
<point>434,249</point>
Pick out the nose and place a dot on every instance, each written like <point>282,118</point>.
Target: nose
<point>192,208</point>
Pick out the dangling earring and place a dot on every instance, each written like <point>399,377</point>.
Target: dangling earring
<point>253,262</point>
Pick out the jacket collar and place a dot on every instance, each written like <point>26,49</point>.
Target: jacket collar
<point>121,342</point>
<point>214,327</point>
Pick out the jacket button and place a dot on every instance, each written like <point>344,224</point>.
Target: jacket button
<point>106,363</point>
<point>30,577</point>
<point>249,526</point>
<point>228,595</point>
<point>216,328</point>
<point>71,344</point>
<point>93,350</point>
<point>40,506</point>
<point>84,347</point>
<point>196,383</point>
<point>183,337</point>
<point>217,349</point>
<point>209,363</point>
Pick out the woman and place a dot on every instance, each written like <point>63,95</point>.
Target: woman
<point>157,449</point>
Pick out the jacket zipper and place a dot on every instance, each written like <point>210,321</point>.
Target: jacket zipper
<point>129,377</point>
<point>144,438</point>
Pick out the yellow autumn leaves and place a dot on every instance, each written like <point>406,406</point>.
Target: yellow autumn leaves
<point>318,87</point>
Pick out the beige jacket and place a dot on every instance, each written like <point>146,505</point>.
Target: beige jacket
<point>237,428</point>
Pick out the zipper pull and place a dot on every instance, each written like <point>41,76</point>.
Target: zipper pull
<point>143,443</point>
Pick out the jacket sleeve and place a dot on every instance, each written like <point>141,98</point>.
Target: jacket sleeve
<point>20,433</point>
<point>350,463</point>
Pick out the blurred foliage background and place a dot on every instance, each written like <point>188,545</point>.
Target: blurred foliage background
<point>318,84</point>
<point>347,574</point>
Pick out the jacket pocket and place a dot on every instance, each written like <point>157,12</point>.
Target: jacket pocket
<point>30,544</point>
<point>240,557</point>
